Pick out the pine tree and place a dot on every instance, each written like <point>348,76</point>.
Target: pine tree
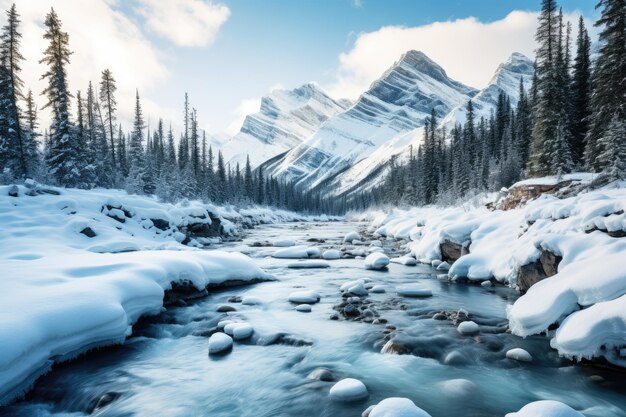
<point>581,92</point>
<point>221,178</point>
<point>31,142</point>
<point>63,157</point>
<point>523,126</point>
<point>613,145</point>
<point>546,110</point>
<point>109,106</point>
<point>13,152</point>
<point>608,98</point>
<point>248,180</point>
<point>136,181</point>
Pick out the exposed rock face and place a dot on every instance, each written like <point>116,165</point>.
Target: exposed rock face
<point>451,251</point>
<point>544,267</point>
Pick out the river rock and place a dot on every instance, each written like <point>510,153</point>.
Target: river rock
<point>250,300</point>
<point>376,261</point>
<point>308,265</point>
<point>358,289</point>
<point>331,254</point>
<point>455,358</point>
<point>322,374</point>
<point>351,237</point>
<point>242,331</point>
<point>404,260</point>
<point>444,266</point>
<point>303,308</point>
<point>348,389</point>
<point>519,354</point>
<point>220,343</point>
<point>451,251</point>
<point>413,290</point>
<point>468,328</point>
<point>486,284</point>
<point>395,407</point>
<point>225,308</point>
<point>304,297</point>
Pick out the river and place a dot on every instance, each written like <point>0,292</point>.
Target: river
<point>164,369</point>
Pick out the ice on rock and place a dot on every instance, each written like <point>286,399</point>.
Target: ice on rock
<point>284,243</point>
<point>351,237</point>
<point>348,389</point>
<point>468,328</point>
<point>546,408</point>
<point>376,261</point>
<point>519,354</point>
<point>303,308</point>
<point>220,343</point>
<point>346,285</point>
<point>331,254</point>
<point>413,290</point>
<point>304,297</point>
<point>308,265</point>
<point>395,407</point>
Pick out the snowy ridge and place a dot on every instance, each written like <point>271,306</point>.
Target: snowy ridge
<point>587,296</point>
<point>285,119</point>
<point>396,103</point>
<point>63,292</point>
<point>506,79</point>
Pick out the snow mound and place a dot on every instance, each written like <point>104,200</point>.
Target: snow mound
<point>220,343</point>
<point>519,354</point>
<point>397,407</point>
<point>304,297</point>
<point>546,408</point>
<point>63,292</point>
<point>331,254</point>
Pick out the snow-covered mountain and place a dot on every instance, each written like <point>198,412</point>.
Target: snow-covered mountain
<point>396,103</point>
<point>285,119</point>
<point>370,171</point>
<point>506,79</point>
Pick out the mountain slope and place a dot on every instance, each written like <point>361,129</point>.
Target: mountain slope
<point>285,119</point>
<point>370,171</point>
<point>396,103</point>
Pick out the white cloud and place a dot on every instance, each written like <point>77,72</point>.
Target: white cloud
<point>245,107</point>
<point>100,37</point>
<point>184,22</point>
<point>468,50</point>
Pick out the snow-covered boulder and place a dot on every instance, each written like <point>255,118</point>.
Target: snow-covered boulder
<point>376,261</point>
<point>358,290</point>
<point>519,354</point>
<point>396,407</point>
<point>250,300</point>
<point>546,408</point>
<point>242,331</point>
<point>331,254</point>
<point>468,328</point>
<point>220,343</point>
<point>304,297</point>
<point>404,260</point>
<point>348,389</point>
<point>413,290</point>
<point>351,236</point>
<point>378,289</point>
<point>293,252</point>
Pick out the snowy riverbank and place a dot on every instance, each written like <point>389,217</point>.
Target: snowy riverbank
<point>571,249</point>
<point>80,267</point>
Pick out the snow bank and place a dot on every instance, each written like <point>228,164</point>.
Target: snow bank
<point>63,292</point>
<point>584,235</point>
<point>546,408</point>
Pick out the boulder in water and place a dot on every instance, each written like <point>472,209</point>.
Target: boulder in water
<point>468,328</point>
<point>376,261</point>
<point>519,354</point>
<point>220,343</point>
<point>348,389</point>
<point>395,407</point>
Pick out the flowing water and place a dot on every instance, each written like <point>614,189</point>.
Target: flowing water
<point>165,369</point>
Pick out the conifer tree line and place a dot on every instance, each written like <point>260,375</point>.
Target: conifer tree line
<point>573,119</point>
<point>85,146</point>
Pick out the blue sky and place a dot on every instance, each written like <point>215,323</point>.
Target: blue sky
<point>254,46</point>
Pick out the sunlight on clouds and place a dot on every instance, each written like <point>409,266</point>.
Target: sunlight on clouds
<point>188,23</point>
<point>468,50</point>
